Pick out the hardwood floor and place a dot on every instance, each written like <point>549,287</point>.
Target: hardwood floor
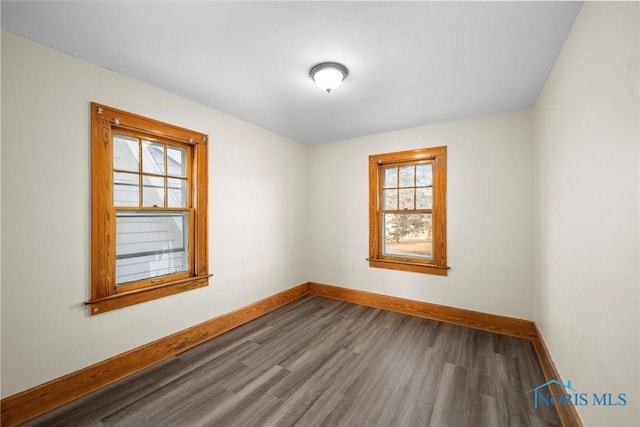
<point>319,361</point>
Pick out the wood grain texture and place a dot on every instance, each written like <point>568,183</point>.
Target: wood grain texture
<point>324,362</point>
<point>105,295</point>
<point>149,293</point>
<point>408,266</point>
<point>473,319</point>
<point>103,224</point>
<point>201,206</point>
<point>154,127</point>
<point>568,414</point>
<point>288,337</point>
<point>438,156</point>
<point>38,400</point>
<point>440,206</point>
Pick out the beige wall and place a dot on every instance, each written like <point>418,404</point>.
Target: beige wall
<point>543,213</point>
<point>257,182</point>
<point>489,215</point>
<point>587,199</point>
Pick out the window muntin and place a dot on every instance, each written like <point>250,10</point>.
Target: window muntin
<point>407,210</point>
<point>162,174</point>
<point>149,209</point>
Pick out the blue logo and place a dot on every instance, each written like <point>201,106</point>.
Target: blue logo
<point>572,397</point>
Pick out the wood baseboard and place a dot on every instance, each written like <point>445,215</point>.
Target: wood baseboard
<point>568,414</point>
<point>472,319</point>
<point>28,404</point>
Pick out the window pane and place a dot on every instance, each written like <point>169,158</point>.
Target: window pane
<point>152,191</point>
<point>150,244</point>
<point>407,235</point>
<point>424,198</point>
<point>126,189</point>
<point>406,176</point>
<point>390,177</point>
<point>126,153</point>
<point>406,199</point>
<point>153,158</point>
<point>177,193</point>
<point>390,199</point>
<point>176,161</point>
<point>424,174</point>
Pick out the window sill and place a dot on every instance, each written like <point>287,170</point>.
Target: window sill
<point>124,299</point>
<point>410,266</point>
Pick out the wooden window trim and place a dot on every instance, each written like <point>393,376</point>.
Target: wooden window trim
<point>104,297</point>
<point>438,265</point>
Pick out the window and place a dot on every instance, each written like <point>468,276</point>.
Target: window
<point>148,209</point>
<point>407,211</point>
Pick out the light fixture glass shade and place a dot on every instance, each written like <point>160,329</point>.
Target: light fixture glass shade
<point>328,75</point>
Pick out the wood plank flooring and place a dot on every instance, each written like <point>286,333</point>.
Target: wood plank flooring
<point>322,362</point>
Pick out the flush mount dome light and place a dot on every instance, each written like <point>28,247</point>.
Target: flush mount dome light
<point>328,75</point>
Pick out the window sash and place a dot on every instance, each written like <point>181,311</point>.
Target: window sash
<point>146,248</point>
<point>164,177</point>
<point>417,244</point>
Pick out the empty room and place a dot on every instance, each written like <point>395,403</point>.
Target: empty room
<point>219,213</point>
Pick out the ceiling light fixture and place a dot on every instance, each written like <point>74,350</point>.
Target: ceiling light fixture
<point>328,75</point>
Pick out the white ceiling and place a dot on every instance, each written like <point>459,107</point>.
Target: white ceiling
<point>410,63</point>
